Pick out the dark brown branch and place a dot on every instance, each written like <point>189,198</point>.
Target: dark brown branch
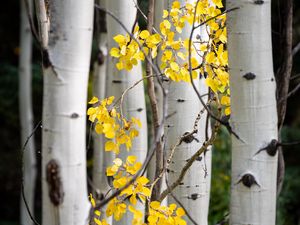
<point>154,109</point>
<point>283,75</point>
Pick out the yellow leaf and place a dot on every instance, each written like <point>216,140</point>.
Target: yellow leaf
<point>92,200</point>
<point>165,14</point>
<point>180,212</point>
<point>118,161</point>
<point>174,66</point>
<point>176,5</point>
<point>120,39</point>
<point>97,221</point>
<point>144,34</point>
<point>115,52</point>
<point>227,111</point>
<point>109,146</point>
<point>97,212</point>
<point>131,159</point>
<point>110,100</point>
<point>99,128</point>
<point>225,100</point>
<point>142,180</point>
<point>93,100</point>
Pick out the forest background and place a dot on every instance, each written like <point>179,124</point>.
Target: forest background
<point>288,212</point>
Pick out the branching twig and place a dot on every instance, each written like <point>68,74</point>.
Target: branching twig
<point>190,161</point>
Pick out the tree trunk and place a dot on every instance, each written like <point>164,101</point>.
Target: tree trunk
<point>66,62</point>
<point>254,116</point>
<point>26,114</point>
<point>100,180</point>
<point>195,188</point>
<point>118,81</point>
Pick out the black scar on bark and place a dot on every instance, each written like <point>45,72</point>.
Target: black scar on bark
<point>139,109</point>
<point>271,148</point>
<point>199,158</point>
<point>46,60</point>
<point>100,57</point>
<point>53,177</point>
<point>74,115</point>
<point>180,100</point>
<point>248,180</point>
<point>188,138</point>
<point>249,76</point>
<point>259,2</point>
<point>193,196</point>
<point>117,81</point>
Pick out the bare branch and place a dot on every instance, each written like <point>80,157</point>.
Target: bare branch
<point>296,49</point>
<point>22,181</point>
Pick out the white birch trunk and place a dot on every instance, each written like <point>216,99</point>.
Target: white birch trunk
<point>64,113</point>
<point>26,115</point>
<point>118,81</point>
<point>99,80</point>
<point>253,116</point>
<point>195,188</point>
<point>100,180</point>
<point>99,171</point>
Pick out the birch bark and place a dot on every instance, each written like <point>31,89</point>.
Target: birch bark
<point>66,60</point>
<point>254,116</point>
<point>118,81</point>
<point>26,114</point>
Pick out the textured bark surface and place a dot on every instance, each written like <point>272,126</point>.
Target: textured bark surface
<point>118,81</point>
<point>26,115</point>
<point>254,115</point>
<point>66,68</point>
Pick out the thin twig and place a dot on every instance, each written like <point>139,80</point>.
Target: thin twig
<point>190,161</point>
<point>22,181</point>
<point>296,49</point>
<point>31,23</point>
<point>292,92</point>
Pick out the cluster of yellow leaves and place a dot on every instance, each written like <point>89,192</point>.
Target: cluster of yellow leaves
<point>109,122</point>
<point>159,215</point>
<point>209,56</point>
<point>209,59</point>
<point>123,172</point>
<point>165,215</point>
<point>97,213</point>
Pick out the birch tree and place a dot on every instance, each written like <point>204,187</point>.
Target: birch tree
<point>119,80</point>
<point>26,115</point>
<point>254,116</point>
<point>184,106</point>
<point>99,81</point>
<point>66,36</point>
